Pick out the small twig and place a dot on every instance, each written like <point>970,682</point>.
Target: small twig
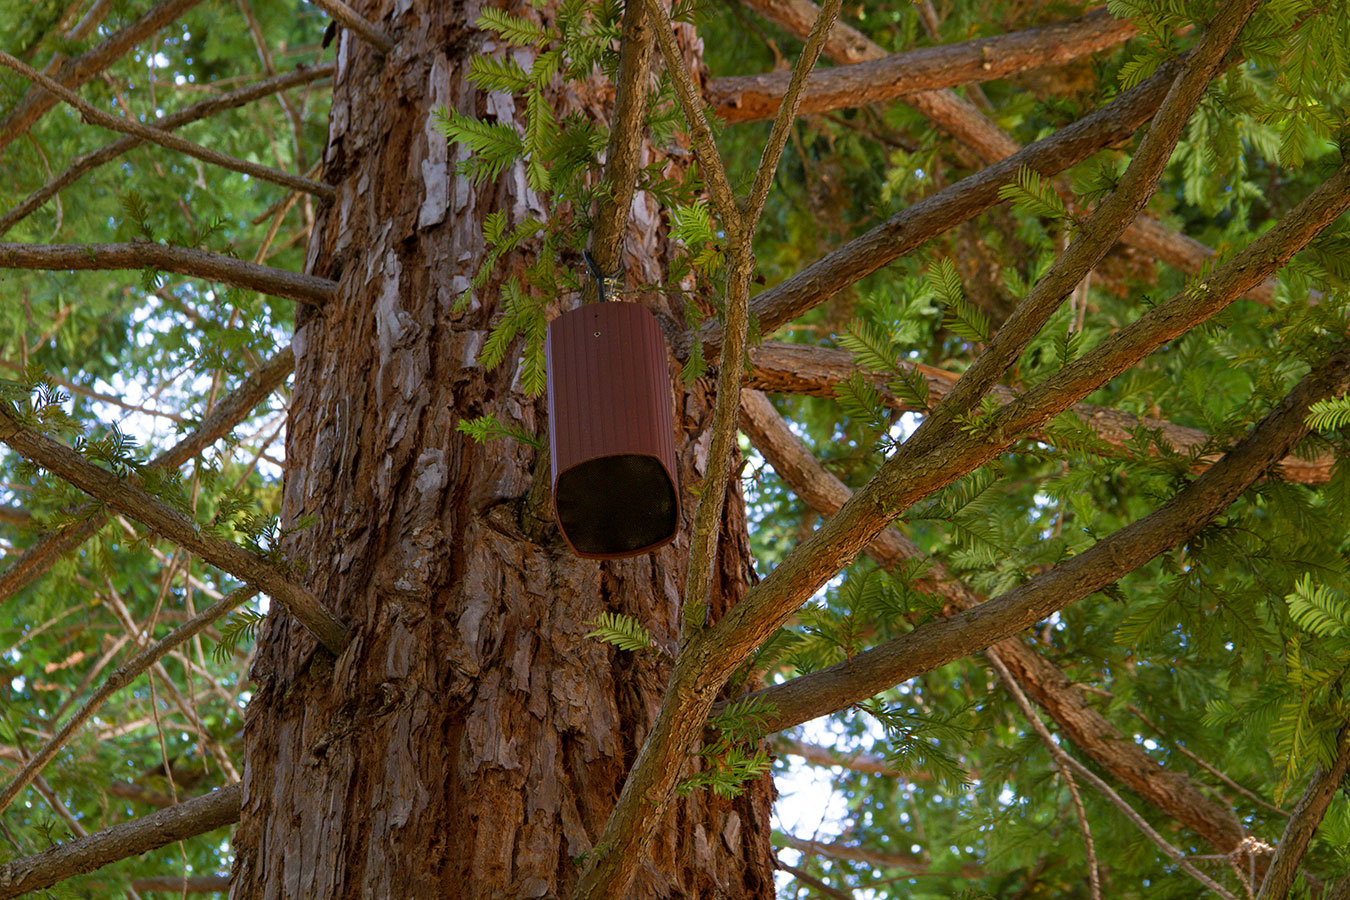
<point>119,679</point>
<point>97,116</point>
<point>1087,775</point>
<point>1062,762</point>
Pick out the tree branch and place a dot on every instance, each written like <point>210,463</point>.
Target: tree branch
<point>646,792</point>
<point>907,476</point>
<point>179,260</point>
<point>808,879</point>
<point>1172,793</point>
<point>927,647</point>
<point>123,676</point>
<point>231,409</point>
<point>1100,232</point>
<point>964,122</point>
<point>192,884</point>
<point>787,111</point>
<point>354,22</point>
<point>212,105</point>
<point>700,135</point>
<point>93,114</point>
<point>76,72</point>
<point>188,819</point>
<point>1068,762</point>
<point>1308,814</point>
<point>879,858</point>
<point>857,762</point>
<point>746,98</point>
<point>632,84</point>
<point>948,208</point>
<point>130,500</point>
<point>782,368</point>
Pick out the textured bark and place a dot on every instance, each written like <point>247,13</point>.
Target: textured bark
<point>193,817</point>
<point>180,260</point>
<point>745,98</point>
<point>471,740</point>
<point>1171,792</point>
<point>782,368</point>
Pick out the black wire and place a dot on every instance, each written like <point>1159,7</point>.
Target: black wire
<point>594,268</point>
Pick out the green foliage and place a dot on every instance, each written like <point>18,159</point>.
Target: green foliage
<point>622,631</point>
<point>484,428</point>
<point>728,762</point>
<point>1329,415</point>
<point>963,318</point>
<point>1317,610</point>
<point>1034,195</point>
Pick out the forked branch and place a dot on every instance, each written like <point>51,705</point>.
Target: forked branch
<point>75,72</point>
<point>87,162</point>
<point>130,500</point>
<point>227,413</point>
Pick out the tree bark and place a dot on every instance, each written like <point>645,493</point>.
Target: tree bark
<point>471,741</point>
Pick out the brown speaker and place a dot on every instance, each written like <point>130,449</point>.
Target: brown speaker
<point>611,431</point>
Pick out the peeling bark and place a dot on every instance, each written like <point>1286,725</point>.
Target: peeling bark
<point>471,740</point>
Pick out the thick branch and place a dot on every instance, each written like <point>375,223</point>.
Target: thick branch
<point>908,476</point>
<point>963,121</point>
<point>700,135</point>
<point>231,409</point>
<point>125,674</point>
<point>212,105</point>
<point>179,260</point>
<point>782,368</point>
<point>75,72</point>
<point>354,22</point>
<point>93,114</point>
<point>136,503</point>
<point>187,819</point>
<point>744,98</point>
<point>1115,212</point>
<point>930,646</point>
<point>1172,793</point>
<point>935,214</point>
<point>1308,814</point>
<point>632,85</point>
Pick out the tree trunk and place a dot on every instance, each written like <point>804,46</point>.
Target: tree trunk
<point>471,740</point>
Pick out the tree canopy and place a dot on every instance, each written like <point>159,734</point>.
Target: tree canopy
<point>1035,338</point>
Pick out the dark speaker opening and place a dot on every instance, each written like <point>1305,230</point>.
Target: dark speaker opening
<point>616,505</point>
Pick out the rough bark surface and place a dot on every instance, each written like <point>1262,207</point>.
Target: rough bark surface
<point>471,741</point>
